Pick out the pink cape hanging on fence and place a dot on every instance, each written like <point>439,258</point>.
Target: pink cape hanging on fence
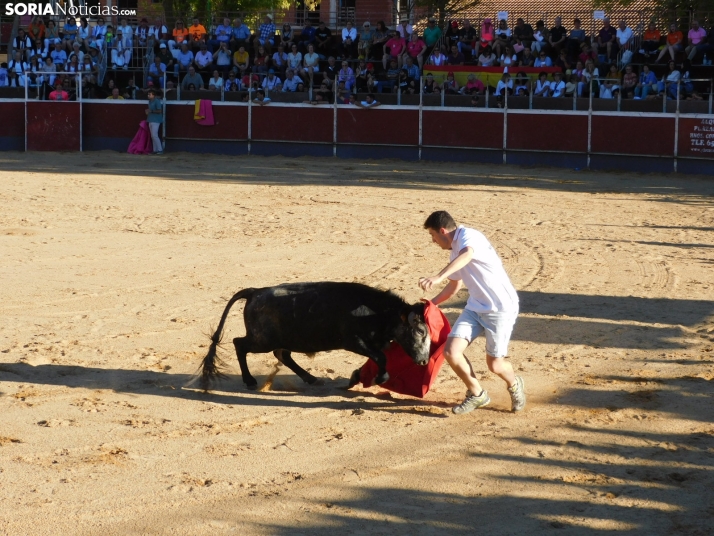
<point>203,112</point>
<point>405,376</point>
<point>141,144</point>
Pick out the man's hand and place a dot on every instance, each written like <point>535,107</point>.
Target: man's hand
<point>427,283</point>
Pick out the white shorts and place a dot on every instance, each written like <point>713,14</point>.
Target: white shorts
<point>497,327</point>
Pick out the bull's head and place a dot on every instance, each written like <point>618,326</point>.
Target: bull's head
<point>413,334</point>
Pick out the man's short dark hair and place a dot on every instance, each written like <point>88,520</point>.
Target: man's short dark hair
<point>440,219</point>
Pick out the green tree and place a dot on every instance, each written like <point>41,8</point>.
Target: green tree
<point>439,9</point>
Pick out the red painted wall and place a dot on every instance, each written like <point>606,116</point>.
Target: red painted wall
<point>52,126</point>
<point>231,123</point>
<point>544,132</point>
<point>12,122</point>
<point>633,135</point>
<point>305,125</point>
<point>462,129</point>
<point>696,137</point>
<point>378,126</point>
<point>112,120</point>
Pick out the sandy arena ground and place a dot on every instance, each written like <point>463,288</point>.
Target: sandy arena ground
<point>115,267</point>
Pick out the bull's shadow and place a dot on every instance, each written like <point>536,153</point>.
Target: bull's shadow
<point>229,390</point>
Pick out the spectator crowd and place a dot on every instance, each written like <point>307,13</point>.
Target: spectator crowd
<point>339,63</point>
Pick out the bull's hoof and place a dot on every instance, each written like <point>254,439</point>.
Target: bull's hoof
<point>316,381</point>
<point>381,378</point>
<point>251,386</point>
<point>354,379</point>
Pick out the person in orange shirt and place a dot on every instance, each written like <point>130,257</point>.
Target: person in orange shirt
<point>651,39</point>
<point>36,30</point>
<point>180,34</point>
<point>674,43</point>
<point>197,33</point>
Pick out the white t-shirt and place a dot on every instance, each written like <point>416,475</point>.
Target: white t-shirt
<point>490,289</point>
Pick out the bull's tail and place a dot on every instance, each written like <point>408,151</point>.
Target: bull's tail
<point>211,365</point>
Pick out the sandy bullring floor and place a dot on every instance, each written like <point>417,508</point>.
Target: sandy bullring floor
<point>115,267</point>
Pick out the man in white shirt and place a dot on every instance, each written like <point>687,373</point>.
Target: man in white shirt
<point>557,86</point>
<point>126,30</point>
<point>624,36</point>
<point>492,307</point>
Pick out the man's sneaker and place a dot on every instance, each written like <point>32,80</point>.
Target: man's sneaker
<point>472,402</point>
<point>518,395</point>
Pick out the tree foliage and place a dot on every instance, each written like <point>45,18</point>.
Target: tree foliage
<point>442,10</point>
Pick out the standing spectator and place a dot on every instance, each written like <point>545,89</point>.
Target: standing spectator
<point>260,98</point>
<point>558,36</point>
<point>523,32</point>
<point>240,36</point>
<point>575,40</point>
<point>467,37</point>
<point>224,31</point>
<point>543,60</point>
<point>456,57</point>
<point>287,36</point>
<point>381,36</point>
<point>540,37</point>
<point>588,83</point>
<point>348,47</point>
<point>527,58</point>
<point>432,33</point>
<point>503,38</point>
<point>416,48</point>
<point>651,40</point>
<point>222,58</point>
<point>365,40</point>
<point>155,117</point>
<point>346,75</point>
<point>279,61</point>
<point>266,33</point>
<point>405,30</point>
<point>393,49</point>
<point>204,60</point>
<point>487,58</point>
<point>607,40</point>
<point>157,71</point>
<point>323,41</point>
<point>674,43</point>
<point>184,59</point>
<point>216,83</point>
<point>504,87</point>
<point>629,82</point>
<point>697,37</point>
<point>197,34</point>
<point>59,94</point>
<point>647,83</point>
<point>192,79</point>
<point>180,37</point>
<point>307,36</point>
<point>557,86</point>
<point>542,86</point>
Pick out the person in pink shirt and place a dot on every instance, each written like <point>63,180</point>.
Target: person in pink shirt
<point>473,86</point>
<point>396,46</point>
<point>59,94</point>
<point>416,48</point>
<point>697,37</point>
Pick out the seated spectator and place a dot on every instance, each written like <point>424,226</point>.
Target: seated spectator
<point>508,58</point>
<point>579,68</point>
<point>292,81</point>
<point>543,60</point>
<point>587,53</point>
<point>310,64</point>
<point>348,47</point>
<point>416,48</point>
<point>271,82</point>
<point>39,49</point>
<point>51,34</point>
<point>504,86</point>
<point>157,71</point>
<point>365,40</point>
<point>323,41</point>
<point>36,29</point>
<point>241,61</point>
<point>540,37</point>
<point>99,33</point>
<point>487,58</point>
<point>542,86</point>
<point>558,36</point>
<point>330,72</point>
<point>17,68</point>
<point>222,58</point>
<point>430,85</point>
<point>451,35</point>
<point>629,82</point>
<point>456,57</point>
<point>523,33</point>
<point>126,30</point>
<point>287,37</point>
<point>527,58</point>
<point>166,57</point>
<point>451,86</point>
<point>674,43</point>
<point>260,98</point>
<point>59,56</point>
<point>279,61</point>
<point>607,40</point>
<point>563,62</point>
<point>192,78</point>
<point>232,82</point>
<point>557,86</point>
<point>260,61</point>
<point>115,95</point>
<point>488,33</point>
<point>432,33</point>
<point>610,86</point>
<point>413,71</point>
<point>393,49</point>
<point>392,76</point>
<point>467,38</point>
<point>241,35</point>
<point>121,49</point>
<point>90,70</point>
<point>473,86</point>
<point>49,69</point>
<point>307,37</point>
<point>346,75</point>
<point>266,33</point>
<point>184,59</point>
<point>23,44</point>
<point>575,40</point>
<point>196,34</point>
<point>76,53</point>
<point>522,84</point>
<point>203,60</point>
<point>59,94</point>
<point>589,83</point>
<point>69,32</point>
<point>647,83</point>
<point>502,39</point>
<point>180,36</point>
<point>324,93</point>
<point>437,58</point>
<point>158,32</point>
<point>651,40</point>
<point>379,39</point>
<point>697,37</point>
<point>571,87</point>
<point>142,32</point>
<point>224,32</point>
<point>294,59</point>
<point>364,77</point>
<point>670,81</point>
<point>216,83</point>
<point>368,102</point>
<point>624,36</point>
<point>405,30</point>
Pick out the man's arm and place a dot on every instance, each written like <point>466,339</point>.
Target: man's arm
<point>451,288</point>
<point>465,256</point>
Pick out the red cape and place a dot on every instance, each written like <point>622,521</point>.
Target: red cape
<point>405,376</point>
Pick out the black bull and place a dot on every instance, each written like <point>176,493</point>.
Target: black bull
<point>317,317</point>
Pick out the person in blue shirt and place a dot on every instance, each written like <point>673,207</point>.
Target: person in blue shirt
<point>647,83</point>
<point>307,36</point>
<point>69,33</point>
<point>241,35</point>
<point>155,117</point>
<point>184,59</point>
<point>223,34</point>
<point>543,60</point>
<point>411,69</point>
<point>157,70</point>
